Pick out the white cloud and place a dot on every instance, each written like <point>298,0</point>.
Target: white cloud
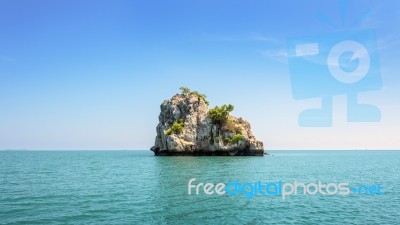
<point>240,38</point>
<point>263,38</point>
<point>219,37</point>
<point>279,55</point>
<point>388,42</point>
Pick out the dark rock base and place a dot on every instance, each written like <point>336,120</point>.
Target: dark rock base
<point>247,152</point>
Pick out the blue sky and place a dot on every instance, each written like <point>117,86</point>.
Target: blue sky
<point>92,74</point>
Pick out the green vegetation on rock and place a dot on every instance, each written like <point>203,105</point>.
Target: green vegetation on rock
<point>232,126</point>
<point>176,128</point>
<point>220,114</point>
<point>235,139</point>
<point>186,91</point>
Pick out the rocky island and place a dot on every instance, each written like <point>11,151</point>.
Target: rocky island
<point>188,128</point>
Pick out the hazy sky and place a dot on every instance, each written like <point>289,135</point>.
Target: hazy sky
<point>92,74</point>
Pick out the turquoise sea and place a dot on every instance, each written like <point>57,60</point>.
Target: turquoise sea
<point>134,187</point>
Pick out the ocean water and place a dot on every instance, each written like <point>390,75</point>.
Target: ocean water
<point>134,187</point>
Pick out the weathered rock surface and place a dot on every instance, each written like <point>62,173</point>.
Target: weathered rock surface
<point>200,136</point>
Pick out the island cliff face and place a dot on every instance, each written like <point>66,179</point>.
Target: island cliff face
<point>187,127</point>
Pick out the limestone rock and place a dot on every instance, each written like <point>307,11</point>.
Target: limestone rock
<point>199,135</point>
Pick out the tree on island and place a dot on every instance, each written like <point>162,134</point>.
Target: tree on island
<point>186,92</point>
